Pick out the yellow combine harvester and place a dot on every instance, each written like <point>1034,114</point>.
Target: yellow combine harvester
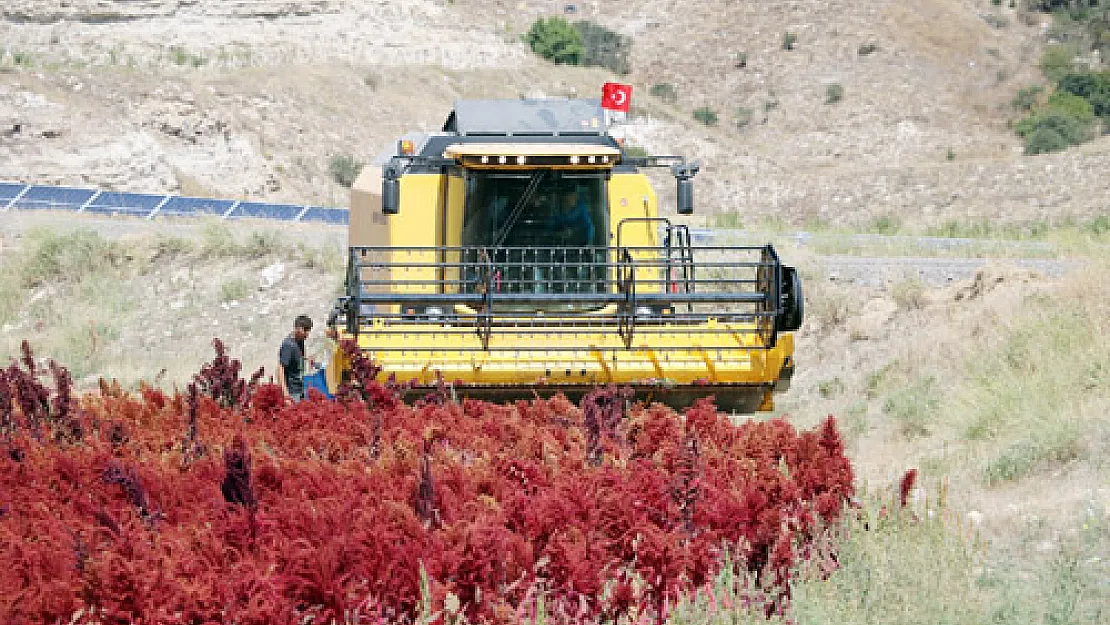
<point>521,251</point>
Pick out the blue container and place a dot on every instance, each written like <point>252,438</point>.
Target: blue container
<point>318,381</point>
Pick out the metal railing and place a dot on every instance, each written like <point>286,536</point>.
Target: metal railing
<point>564,293</point>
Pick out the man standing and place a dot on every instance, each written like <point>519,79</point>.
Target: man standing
<point>291,359</point>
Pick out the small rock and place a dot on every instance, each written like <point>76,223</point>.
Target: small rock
<point>271,275</point>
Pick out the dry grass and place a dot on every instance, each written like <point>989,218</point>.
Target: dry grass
<point>146,307</point>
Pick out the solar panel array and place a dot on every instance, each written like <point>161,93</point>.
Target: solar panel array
<point>92,201</point>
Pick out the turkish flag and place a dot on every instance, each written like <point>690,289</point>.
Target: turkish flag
<point>616,96</point>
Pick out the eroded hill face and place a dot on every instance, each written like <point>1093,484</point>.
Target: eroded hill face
<point>252,98</point>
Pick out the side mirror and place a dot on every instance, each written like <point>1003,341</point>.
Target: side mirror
<point>685,196</point>
<point>391,191</point>
<point>684,173</point>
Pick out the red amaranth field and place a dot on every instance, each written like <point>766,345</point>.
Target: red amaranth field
<point>223,504</point>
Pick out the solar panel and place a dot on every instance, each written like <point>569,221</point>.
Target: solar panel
<point>149,205</point>
<point>190,206</point>
<point>258,210</point>
<point>337,216</point>
<point>42,197</point>
<point>9,190</point>
<point>116,203</point>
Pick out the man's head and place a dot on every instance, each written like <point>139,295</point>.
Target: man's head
<point>301,326</point>
<point>570,198</point>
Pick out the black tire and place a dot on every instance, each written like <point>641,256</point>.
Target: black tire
<point>793,301</point>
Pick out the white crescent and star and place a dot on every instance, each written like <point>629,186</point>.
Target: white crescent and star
<point>619,97</point>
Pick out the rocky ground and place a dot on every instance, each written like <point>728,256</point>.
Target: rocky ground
<point>251,99</point>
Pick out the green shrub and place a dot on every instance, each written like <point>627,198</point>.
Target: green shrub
<point>1093,87</point>
<point>556,40</point>
<point>885,224</point>
<point>22,59</point>
<point>70,257</point>
<point>834,93</point>
<point>743,116</point>
<point>635,151</point>
<point>706,116</point>
<point>181,56</point>
<point>1026,98</point>
<point>914,406</point>
<point>1057,61</point>
<point>1099,225</point>
<point>345,169</point>
<point>665,91</point>
<point>1065,119</point>
<point>1044,141</point>
<point>730,219</point>
<point>1053,448</point>
<point>604,48</point>
<point>235,289</point>
<point>1073,130</point>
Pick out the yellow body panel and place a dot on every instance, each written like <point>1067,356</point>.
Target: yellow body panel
<point>630,197</point>
<point>422,352</point>
<point>420,224</point>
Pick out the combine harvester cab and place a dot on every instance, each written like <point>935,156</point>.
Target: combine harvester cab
<point>520,251</point>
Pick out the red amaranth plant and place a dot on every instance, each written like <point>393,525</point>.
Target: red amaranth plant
<point>128,480</point>
<point>191,447</point>
<point>31,396</point>
<point>905,487</point>
<point>7,419</point>
<point>686,489</point>
<point>236,486</point>
<point>602,411</point>
<point>220,379</point>
<point>425,496</point>
<point>313,532</point>
<point>64,413</point>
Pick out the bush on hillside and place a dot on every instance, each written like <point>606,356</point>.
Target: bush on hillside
<point>1057,61</point>
<point>1026,97</point>
<point>665,91</point>
<point>1064,119</point>
<point>706,116</point>
<point>556,40</point>
<point>605,48</point>
<point>1094,87</point>
<point>1044,140</point>
<point>345,169</point>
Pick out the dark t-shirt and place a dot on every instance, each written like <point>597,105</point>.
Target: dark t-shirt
<point>291,358</point>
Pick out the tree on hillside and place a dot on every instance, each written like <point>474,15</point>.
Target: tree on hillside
<point>556,40</point>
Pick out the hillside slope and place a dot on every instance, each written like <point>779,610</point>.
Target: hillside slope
<point>253,98</point>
